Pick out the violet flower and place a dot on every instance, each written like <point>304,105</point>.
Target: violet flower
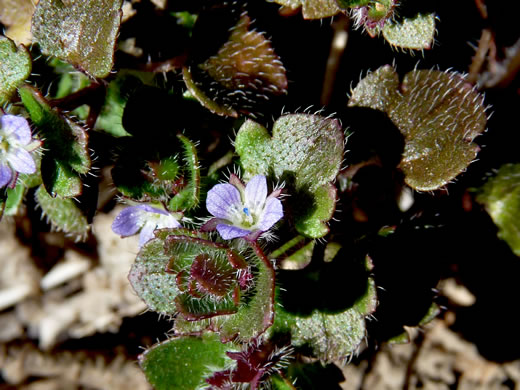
<point>143,218</point>
<point>16,143</point>
<point>243,211</point>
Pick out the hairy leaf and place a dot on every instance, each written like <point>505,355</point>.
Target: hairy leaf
<point>188,197</point>
<point>438,113</point>
<point>15,67</point>
<point>415,33</point>
<point>63,214</point>
<point>66,144</point>
<point>330,335</point>
<point>185,362</point>
<point>306,152</point>
<point>244,74</point>
<point>80,32</point>
<point>313,9</point>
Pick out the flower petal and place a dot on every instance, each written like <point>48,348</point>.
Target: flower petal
<point>223,200</point>
<point>227,232</point>
<point>256,192</point>
<point>146,233</point>
<point>5,175</point>
<point>273,212</point>
<point>129,221</point>
<point>16,127</point>
<point>21,160</point>
<point>167,221</point>
<point>150,209</point>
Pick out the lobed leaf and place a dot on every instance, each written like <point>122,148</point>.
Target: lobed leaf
<point>438,113</point>
<point>80,32</point>
<point>306,152</point>
<point>331,335</point>
<point>415,33</point>
<point>245,73</point>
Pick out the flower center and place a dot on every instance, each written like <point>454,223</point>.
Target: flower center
<point>4,145</point>
<point>247,218</point>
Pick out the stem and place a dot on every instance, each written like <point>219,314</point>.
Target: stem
<point>337,48</point>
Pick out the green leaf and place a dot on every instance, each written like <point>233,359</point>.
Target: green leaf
<point>65,142</point>
<point>257,315</point>
<point>110,118</point>
<point>280,383</point>
<point>14,199</point>
<point>15,67</point>
<point>352,3</point>
<point>80,32</point>
<point>305,152</point>
<point>330,335</point>
<point>183,363</point>
<point>501,198</point>
<point>189,197</point>
<point>415,33</point>
<point>439,115</point>
<point>148,276</point>
<point>63,214</point>
<point>167,276</point>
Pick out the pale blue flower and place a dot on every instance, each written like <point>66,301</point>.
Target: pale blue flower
<point>243,211</point>
<point>16,143</point>
<point>143,218</point>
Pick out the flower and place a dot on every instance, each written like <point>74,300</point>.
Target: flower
<point>16,143</point>
<point>242,211</point>
<point>143,218</point>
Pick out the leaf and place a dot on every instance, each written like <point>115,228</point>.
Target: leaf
<point>168,275</point>
<point>313,9</point>
<point>203,98</point>
<point>63,214</point>
<point>438,113</point>
<point>80,32</point>
<point>280,383</point>
<point>184,363</point>
<point>14,199</point>
<point>306,152</point>
<point>255,315</point>
<point>110,118</point>
<point>66,144</point>
<point>15,67</point>
<point>501,198</point>
<point>415,33</point>
<point>189,196</point>
<point>244,74</point>
<point>330,335</point>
